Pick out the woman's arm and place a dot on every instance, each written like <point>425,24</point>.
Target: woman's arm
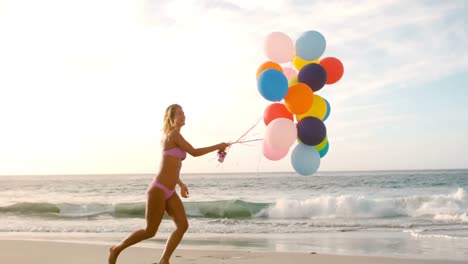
<point>183,189</point>
<point>180,141</point>
<point>179,181</point>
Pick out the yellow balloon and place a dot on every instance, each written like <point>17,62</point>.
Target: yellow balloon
<point>293,81</point>
<point>318,109</point>
<point>322,144</point>
<point>299,63</point>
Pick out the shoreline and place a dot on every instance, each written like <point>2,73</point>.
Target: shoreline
<point>367,244</point>
<point>30,251</point>
<point>334,244</point>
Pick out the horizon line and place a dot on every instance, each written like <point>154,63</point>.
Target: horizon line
<point>233,172</point>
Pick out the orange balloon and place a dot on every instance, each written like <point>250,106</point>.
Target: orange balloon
<point>299,98</point>
<point>268,65</point>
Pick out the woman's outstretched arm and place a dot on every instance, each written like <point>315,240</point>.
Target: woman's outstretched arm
<point>180,141</point>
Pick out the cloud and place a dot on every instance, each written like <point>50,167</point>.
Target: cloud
<point>77,64</point>
<point>382,44</point>
<point>222,4</point>
<point>401,47</point>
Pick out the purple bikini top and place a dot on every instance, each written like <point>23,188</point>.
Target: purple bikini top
<point>176,152</point>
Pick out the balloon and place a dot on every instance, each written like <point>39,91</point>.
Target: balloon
<point>268,65</point>
<point>311,130</point>
<point>328,110</point>
<point>300,63</point>
<point>299,98</point>
<point>318,109</point>
<point>276,110</point>
<point>305,159</point>
<point>313,75</point>
<point>293,81</point>
<point>289,73</point>
<point>324,151</point>
<point>334,69</point>
<point>322,144</point>
<point>292,89</point>
<point>280,133</point>
<point>278,47</point>
<point>273,154</point>
<point>272,85</point>
<point>310,45</point>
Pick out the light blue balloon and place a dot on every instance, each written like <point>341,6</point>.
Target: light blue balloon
<point>310,45</point>
<point>324,151</point>
<point>272,85</point>
<point>305,159</point>
<point>328,110</point>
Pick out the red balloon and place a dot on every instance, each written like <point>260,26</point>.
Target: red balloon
<point>334,69</point>
<point>276,110</point>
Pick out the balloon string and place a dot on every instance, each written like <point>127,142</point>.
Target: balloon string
<point>246,132</point>
<point>250,140</point>
<point>222,154</point>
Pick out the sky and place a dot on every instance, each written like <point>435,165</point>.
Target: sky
<point>84,84</point>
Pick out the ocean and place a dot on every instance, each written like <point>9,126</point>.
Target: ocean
<point>408,214</point>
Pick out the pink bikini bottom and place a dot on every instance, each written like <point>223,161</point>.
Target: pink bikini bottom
<point>167,193</point>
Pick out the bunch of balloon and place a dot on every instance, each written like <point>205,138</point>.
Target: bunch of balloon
<point>290,79</point>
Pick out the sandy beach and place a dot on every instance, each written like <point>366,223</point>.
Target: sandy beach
<point>25,252</point>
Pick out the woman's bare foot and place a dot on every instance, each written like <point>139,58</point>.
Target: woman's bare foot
<point>113,254</point>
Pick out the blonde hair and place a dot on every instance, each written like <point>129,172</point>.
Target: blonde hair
<point>168,124</point>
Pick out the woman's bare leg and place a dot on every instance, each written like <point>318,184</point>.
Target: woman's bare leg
<point>155,207</point>
<point>175,209</point>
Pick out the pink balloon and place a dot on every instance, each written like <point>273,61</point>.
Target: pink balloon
<point>278,47</point>
<point>281,133</point>
<point>273,154</point>
<point>289,72</point>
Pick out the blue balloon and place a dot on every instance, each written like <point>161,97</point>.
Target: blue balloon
<point>272,85</point>
<point>328,110</point>
<point>314,75</point>
<point>310,45</point>
<point>324,151</point>
<point>305,159</point>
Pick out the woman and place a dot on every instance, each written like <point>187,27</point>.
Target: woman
<point>161,196</point>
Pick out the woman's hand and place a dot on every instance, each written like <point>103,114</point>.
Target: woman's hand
<point>223,146</point>
<point>184,191</point>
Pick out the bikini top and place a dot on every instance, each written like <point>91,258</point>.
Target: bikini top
<point>176,152</point>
